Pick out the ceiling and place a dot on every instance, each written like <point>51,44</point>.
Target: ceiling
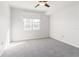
<point>30,5</point>
<point>54,5</point>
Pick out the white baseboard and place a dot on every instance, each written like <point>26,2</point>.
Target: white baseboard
<point>69,43</point>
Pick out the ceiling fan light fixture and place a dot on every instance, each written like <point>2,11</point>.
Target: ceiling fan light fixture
<point>42,3</point>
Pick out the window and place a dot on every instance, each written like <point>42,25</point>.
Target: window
<point>31,24</point>
<point>36,24</point>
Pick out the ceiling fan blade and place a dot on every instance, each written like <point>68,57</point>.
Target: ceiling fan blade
<point>37,5</point>
<point>47,5</point>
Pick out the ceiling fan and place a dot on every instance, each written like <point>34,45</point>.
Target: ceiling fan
<point>43,3</point>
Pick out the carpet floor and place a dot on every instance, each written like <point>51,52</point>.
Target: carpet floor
<point>45,47</point>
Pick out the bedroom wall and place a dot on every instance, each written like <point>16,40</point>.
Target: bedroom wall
<point>65,22</point>
<point>4,24</point>
<point>17,28</point>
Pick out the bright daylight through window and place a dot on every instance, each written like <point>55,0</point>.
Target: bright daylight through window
<point>31,24</point>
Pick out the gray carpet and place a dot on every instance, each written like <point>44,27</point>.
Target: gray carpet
<point>42,48</point>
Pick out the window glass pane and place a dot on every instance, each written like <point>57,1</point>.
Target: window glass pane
<point>27,24</point>
<point>36,20</point>
<point>31,24</point>
<point>36,24</point>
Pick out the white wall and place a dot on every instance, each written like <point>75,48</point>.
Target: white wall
<point>17,28</point>
<point>4,23</point>
<point>65,22</point>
